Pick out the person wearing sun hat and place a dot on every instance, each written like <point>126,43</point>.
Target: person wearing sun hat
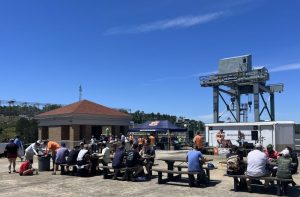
<point>284,165</point>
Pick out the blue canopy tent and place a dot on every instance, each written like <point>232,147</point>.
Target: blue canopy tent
<point>157,126</point>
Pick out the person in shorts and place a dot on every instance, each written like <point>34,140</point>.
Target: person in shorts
<point>11,150</point>
<point>60,157</point>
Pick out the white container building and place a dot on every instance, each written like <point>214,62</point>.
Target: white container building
<point>277,133</point>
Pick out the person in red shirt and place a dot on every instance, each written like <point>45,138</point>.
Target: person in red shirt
<point>271,153</point>
<point>198,140</point>
<point>26,169</point>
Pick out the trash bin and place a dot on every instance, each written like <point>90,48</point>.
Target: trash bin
<point>44,163</point>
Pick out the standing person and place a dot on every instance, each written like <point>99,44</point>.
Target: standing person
<point>152,139</point>
<point>32,150</point>
<point>52,147</point>
<point>220,137</point>
<point>195,159</point>
<point>198,140</point>
<point>122,137</point>
<point>11,150</point>
<point>257,161</point>
<point>60,157</point>
<point>93,144</point>
<point>241,138</point>
<point>19,143</point>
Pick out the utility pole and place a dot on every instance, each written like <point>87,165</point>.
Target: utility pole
<point>80,93</point>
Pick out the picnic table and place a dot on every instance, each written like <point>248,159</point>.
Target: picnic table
<point>171,160</point>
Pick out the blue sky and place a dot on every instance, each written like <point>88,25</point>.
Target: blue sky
<point>144,55</point>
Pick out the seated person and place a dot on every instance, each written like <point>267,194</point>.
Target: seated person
<point>105,154</point>
<point>257,161</point>
<point>195,160</point>
<point>72,158</point>
<point>117,162</point>
<point>294,157</point>
<point>271,153</point>
<point>83,157</point>
<point>235,162</point>
<point>149,152</point>
<point>284,166</point>
<point>60,157</point>
<point>26,169</point>
<point>134,159</point>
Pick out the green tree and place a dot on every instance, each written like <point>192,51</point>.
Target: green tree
<point>27,129</point>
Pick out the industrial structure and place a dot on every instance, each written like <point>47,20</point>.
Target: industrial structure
<point>235,78</point>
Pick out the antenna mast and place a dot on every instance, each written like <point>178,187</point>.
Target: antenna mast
<point>80,93</point>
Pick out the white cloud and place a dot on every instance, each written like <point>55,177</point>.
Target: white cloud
<point>286,67</point>
<point>179,22</point>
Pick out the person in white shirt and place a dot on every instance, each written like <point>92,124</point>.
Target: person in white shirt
<point>105,154</point>
<point>257,161</point>
<point>32,150</point>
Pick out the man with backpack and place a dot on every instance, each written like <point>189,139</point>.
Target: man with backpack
<point>235,162</point>
<point>236,165</point>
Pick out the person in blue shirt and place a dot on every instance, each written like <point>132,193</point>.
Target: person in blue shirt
<point>195,160</point>
<point>19,143</point>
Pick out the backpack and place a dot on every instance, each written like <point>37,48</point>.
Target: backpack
<point>233,163</point>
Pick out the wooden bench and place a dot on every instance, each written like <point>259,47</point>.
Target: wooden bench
<point>281,184</point>
<point>62,167</point>
<point>127,172</point>
<point>207,170</point>
<point>161,171</point>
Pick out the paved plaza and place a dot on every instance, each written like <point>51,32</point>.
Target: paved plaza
<point>46,184</point>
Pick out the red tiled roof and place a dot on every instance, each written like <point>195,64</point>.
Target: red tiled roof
<point>84,107</point>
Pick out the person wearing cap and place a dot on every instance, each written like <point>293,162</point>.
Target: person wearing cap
<point>32,150</point>
<point>257,161</point>
<point>294,157</point>
<point>11,150</point>
<point>60,157</point>
<point>93,144</point>
<point>271,153</point>
<point>284,165</point>
<point>195,160</point>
